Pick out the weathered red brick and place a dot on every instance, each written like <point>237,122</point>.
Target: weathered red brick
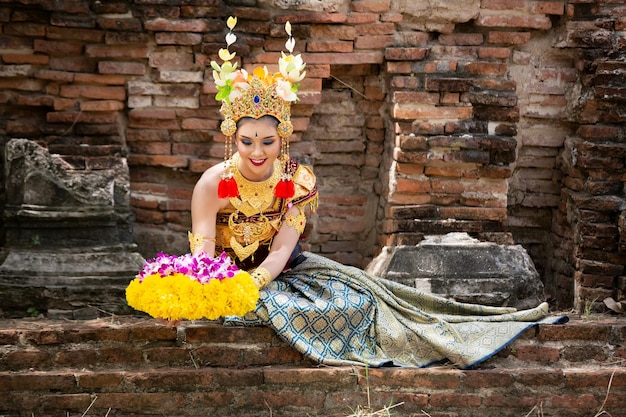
<point>177,38</point>
<point>416,111</point>
<point>574,401</point>
<point>102,105</point>
<point>94,92</point>
<point>494,53</point>
<point>58,47</point>
<point>541,377</point>
<point>486,68</point>
<point>118,23</point>
<point>329,46</point>
<point>78,117</point>
<point>25,29</point>
<point>406,54</point>
<point>447,400</point>
<point>38,381</point>
<point>71,34</point>
<point>72,63</point>
<point>508,38</point>
<point>370,6</point>
<point>514,21</point>
<point>151,148</point>
<point>141,402</point>
<point>373,41</point>
<point>33,59</point>
<point>503,4</point>
<point>127,52</point>
<point>116,67</point>
<point>170,25</point>
<point>461,39</point>
<point>110,380</point>
<point>170,379</point>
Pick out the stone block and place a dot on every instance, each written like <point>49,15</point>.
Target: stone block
<point>460,267</point>
<point>68,238</point>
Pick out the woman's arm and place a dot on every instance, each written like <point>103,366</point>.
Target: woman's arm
<point>204,208</point>
<point>282,246</point>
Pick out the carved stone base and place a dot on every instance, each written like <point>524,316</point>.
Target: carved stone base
<point>465,269</point>
<point>67,235</point>
<point>70,280</point>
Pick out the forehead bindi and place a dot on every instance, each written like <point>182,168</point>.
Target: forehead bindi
<point>257,129</point>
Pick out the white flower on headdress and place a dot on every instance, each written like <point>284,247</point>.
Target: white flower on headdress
<point>225,55</point>
<point>228,81</point>
<point>230,84</point>
<point>285,91</point>
<point>291,67</point>
<point>291,42</point>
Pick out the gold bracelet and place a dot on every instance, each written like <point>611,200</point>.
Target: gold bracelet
<point>261,277</point>
<point>197,240</point>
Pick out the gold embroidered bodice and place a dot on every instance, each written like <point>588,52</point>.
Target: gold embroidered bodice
<point>246,229</point>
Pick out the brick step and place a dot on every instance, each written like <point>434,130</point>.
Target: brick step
<point>130,366</point>
<point>129,342</point>
<point>306,391</point>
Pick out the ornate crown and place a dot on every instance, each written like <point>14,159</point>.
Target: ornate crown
<point>260,93</point>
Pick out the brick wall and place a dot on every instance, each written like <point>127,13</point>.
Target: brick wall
<point>496,117</point>
<point>588,226</point>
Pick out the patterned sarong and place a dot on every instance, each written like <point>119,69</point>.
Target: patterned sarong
<point>340,315</point>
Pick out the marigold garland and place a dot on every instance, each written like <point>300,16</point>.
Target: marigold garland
<point>192,287</point>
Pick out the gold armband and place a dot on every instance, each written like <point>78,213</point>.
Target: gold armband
<point>261,277</point>
<point>297,221</point>
<point>197,240</point>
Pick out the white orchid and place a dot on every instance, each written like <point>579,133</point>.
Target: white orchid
<point>291,67</point>
<point>232,83</point>
<point>290,44</point>
<point>230,38</point>
<point>227,80</point>
<point>285,91</point>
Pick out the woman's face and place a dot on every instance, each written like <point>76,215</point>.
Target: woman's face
<point>258,145</point>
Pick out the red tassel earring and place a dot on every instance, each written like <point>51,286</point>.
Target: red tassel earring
<point>227,187</point>
<point>285,187</point>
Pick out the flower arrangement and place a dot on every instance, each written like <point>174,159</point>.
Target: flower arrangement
<point>232,83</point>
<point>192,287</point>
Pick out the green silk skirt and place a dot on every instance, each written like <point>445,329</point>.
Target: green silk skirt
<point>341,315</point>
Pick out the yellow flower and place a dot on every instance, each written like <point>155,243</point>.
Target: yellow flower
<point>178,297</point>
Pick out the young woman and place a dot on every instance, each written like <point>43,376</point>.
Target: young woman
<point>255,223</point>
<point>254,207</point>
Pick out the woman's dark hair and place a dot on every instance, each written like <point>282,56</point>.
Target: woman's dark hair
<point>267,117</point>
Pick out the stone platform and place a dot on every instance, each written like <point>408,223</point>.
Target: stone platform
<point>133,366</point>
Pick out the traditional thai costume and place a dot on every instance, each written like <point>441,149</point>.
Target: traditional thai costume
<point>333,313</point>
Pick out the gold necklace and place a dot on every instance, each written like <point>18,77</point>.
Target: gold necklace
<point>255,197</point>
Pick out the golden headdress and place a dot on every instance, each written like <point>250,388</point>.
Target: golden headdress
<point>256,95</point>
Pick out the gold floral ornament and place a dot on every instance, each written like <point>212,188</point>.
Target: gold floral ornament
<point>255,95</point>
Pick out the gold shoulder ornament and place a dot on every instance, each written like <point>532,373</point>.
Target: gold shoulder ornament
<point>297,221</point>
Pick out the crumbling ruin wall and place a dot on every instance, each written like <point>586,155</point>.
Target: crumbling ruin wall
<point>498,118</point>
